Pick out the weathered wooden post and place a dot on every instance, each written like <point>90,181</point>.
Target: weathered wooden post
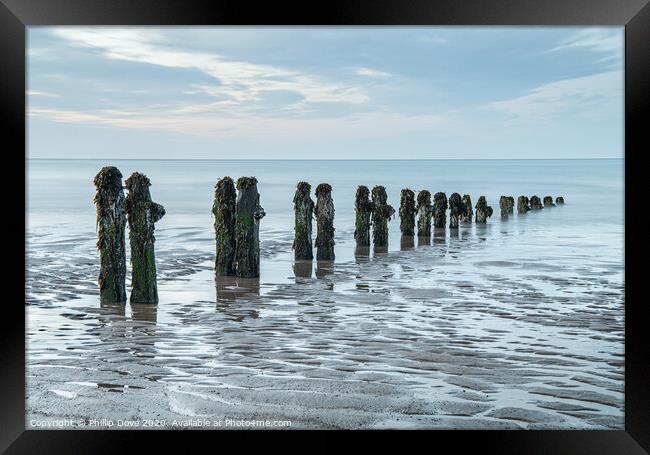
<point>439,210</point>
<point>522,204</point>
<point>302,268</point>
<point>424,213</point>
<point>248,214</point>
<point>511,204</point>
<point>466,214</point>
<point>456,208</point>
<point>363,211</point>
<point>223,209</point>
<point>407,212</point>
<point>324,211</point>
<point>304,212</point>
<point>535,203</point>
<point>548,201</point>
<point>483,211</point>
<point>504,205</point>
<point>111,222</point>
<point>559,200</point>
<point>142,213</point>
<point>381,215</point>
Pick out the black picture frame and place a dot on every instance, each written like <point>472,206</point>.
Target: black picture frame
<point>16,15</point>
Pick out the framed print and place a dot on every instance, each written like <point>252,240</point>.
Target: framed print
<point>364,216</point>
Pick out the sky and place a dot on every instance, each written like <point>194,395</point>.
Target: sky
<point>325,92</point>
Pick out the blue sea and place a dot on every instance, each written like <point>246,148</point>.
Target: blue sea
<point>515,324</point>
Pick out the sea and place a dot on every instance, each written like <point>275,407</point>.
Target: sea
<point>515,324</point>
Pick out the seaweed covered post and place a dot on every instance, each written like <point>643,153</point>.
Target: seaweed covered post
<point>456,208</point>
<point>536,203</point>
<point>511,204</point>
<point>483,211</point>
<point>466,214</point>
<point>303,206</point>
<point>559,200</point>
<point>504,205</point>
<point>407,212</point>
<point>223,210</point>
<point>324,211</point>
<point>523,204</point>
<point>363,211</point>
<point>424,213</point>
<point>142,214</point>
<point>381,215</point>
<point>548,201</point>
<point>248,214</point>
<point>439,210</point>
<point>111,223</point>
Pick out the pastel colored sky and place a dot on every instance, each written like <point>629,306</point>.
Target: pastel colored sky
<point>325,92</point>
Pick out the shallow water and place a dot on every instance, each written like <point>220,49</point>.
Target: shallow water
<point>516,324</point>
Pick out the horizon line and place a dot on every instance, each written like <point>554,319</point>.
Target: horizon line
<point>326,159</point>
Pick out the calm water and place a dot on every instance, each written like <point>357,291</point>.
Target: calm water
<point>516,324</point>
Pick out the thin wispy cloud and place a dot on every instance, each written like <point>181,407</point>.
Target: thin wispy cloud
<point>369,72</point>
<point>605,42</point>
<point>42,93</point>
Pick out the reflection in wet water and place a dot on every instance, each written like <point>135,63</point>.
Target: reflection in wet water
<point>424,240</point>
<point>302,269</point>
<point>231,288</point>
<point>144,312</point>
<point>439,236</point>
<point>380,250</point>
<point>324,269</point>
<point>361,254</point>
<point>407,242</point>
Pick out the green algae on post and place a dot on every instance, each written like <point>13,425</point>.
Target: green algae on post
<point>381,214</point>
<point>223,210</point>
<point>439,210</point>
<point>111,226</point>
<point>548,201</point>
<point>511,204</point>
<point>324,211</point>
<point>248,214</point>
<point>466,214</point>
<point>407,212</point>
<point>523,204</point>
<point>483,211</point>
<point>363,213</point>
<point>142,214</point>
<point>304,212</point>
<point>424,213</point>
<point>456,208</point>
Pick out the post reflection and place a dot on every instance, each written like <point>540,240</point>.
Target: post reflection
<point>302,269</point>
<point>406,243</point>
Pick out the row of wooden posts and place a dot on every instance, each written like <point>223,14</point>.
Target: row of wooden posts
<point>237,213</point>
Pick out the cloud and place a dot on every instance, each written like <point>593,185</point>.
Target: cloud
<point>256,128</point>
<point>238,81</point>
<point>578,95</point>
<point>43,94</point>
<point>369,72</point>
<point>606,42</point>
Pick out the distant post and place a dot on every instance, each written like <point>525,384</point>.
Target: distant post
<point>324,211</point>
<point>466,214</point>
<point>548,201</point>
<point>439,210</point>
<point>142,214</point>
<point>223,210</point>
<point>522,204</point>
<point>559,200</point>
<point>424,213</point>
<point>407,212</point>
<point>303,207</point>
<point>504,205</point>
<point>381,214</point>
<point>248,214</point>
<point>111,222</point>
<point>483,211</point>
<point>456,208</point>
<point>511,204</point>
<point>363,212</point>
<point>536,203</point>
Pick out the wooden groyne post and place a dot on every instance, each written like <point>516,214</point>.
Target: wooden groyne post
<point>223,209</point>
<point>504,205</point>
<point>559,200</point>
<point>535,203</point>
<point>511,204</point>
<point>324,211</point>
<point>303,207</point>
<point>483,211</point>
<point>439,210</point>
<point>363,214</point>
<point>523,204</point>
<point>548,201</point>
<point>142,213</point>
<point>381,215</point>
<point>466,214</point>
<point>248,214</point>
<point>407,212</point>
<point>456,208</point>
<point>424,213</point>
<point>111,222</point>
